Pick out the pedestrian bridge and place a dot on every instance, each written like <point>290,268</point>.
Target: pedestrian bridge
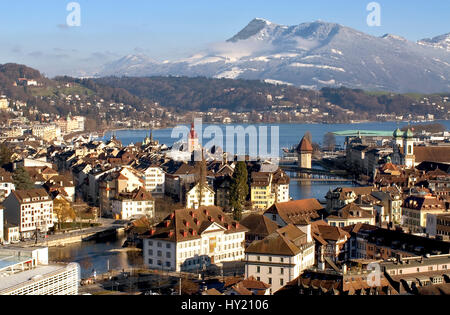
<point>364,133</point>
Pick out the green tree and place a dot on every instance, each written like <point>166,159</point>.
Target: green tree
<point>239,189</point>
<point>5,154</point>
<point>22,179</point>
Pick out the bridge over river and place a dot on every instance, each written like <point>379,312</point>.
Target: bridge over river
<point>315,174</point>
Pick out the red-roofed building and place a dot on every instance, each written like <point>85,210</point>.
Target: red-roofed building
<point>189,239</point>
<point>133,205</point>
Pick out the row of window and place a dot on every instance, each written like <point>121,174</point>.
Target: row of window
<point>270,269</point>
<point>159,244</point>
<point>159,253</point>
<point>159,263</point>
<point>269,280</point>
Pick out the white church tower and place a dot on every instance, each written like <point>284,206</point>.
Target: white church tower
<point>408,149</point>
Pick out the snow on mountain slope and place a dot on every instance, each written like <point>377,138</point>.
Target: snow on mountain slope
<point>442,42</point>
<point>312,55</point>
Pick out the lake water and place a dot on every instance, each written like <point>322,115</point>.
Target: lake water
<point>289,134</point>
<point>96,255</point>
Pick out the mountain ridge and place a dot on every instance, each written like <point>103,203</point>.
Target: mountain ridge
<point>311,55</point>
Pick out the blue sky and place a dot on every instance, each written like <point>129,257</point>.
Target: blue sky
<point>35,32</point>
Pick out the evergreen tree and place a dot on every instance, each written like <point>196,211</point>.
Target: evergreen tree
<point>5,154</point>
<point>239,189</point>
<point>22,179</point>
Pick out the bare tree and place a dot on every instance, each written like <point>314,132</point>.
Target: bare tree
<point>308,136</point>
<point>329,141</point>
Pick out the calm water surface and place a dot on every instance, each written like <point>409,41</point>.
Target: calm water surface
<point>96,255</point>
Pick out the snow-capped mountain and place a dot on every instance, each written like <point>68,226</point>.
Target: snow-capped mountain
<point>442,41</point>
<point>311,55</point>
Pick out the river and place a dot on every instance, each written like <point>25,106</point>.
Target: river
<point>97,255</point>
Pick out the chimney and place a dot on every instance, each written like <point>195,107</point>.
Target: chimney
<point>172,215</point>
<point>171,233</point>
<point>152,231</point>
<point>167,223</point>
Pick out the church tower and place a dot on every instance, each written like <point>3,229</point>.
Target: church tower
<point>192,140</point>
<point>408,149</point>
<point>398,138</point>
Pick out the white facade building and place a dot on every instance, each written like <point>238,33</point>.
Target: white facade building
<point>154,178</point>
<point>30,210</point>
<point>137,204</point>
<point>282,193</point>
<point>193,197</point>
<point>280,257</point>
<point>27,272</point>
<point>6,185</point>
<point>190,239</point>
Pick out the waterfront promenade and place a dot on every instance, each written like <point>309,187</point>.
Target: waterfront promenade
<point>76,236</point>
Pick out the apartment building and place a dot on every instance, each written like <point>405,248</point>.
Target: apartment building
<point>268,186</point>
<point>190,239</point>
<point>30,210</point>
<point>349,215</point>
<point>438,225</point>
<point>409,274</point>
<point>371,242</point>
<point>416,208</point>
<point>262,195</point>
<point>280,257</point>
<point>154,179</point>
<point>112,184</point>
<point>199,196</point>
<point>133,205</point>
<point>330,243</point>
<point>46,132</point>
<point>6,184</point>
